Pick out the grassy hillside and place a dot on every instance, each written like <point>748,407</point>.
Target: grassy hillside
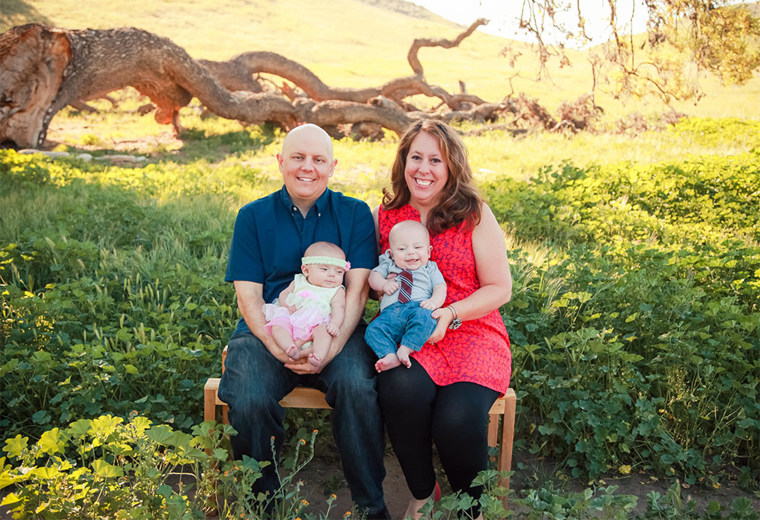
<point>355,43</point>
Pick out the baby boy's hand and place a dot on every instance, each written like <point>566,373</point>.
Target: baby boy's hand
<point>390,287</point>
<point>429,305</point>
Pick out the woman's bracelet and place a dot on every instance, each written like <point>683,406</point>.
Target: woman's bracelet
<point>456,322</point>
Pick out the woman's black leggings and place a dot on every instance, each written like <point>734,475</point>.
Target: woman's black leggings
<point>418,412</point>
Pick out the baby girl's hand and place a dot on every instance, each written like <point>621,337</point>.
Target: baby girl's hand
<point>332,329</point>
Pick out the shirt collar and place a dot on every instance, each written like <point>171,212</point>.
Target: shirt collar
<point>320,204</point>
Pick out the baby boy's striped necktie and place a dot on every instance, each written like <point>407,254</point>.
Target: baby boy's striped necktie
<point>405,291</point>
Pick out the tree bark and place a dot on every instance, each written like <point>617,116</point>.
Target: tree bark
<point>43,69</point>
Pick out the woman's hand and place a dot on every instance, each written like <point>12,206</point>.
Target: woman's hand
<point>444,318</point>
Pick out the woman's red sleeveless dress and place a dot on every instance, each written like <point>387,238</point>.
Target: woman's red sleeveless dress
<point>478,351</point>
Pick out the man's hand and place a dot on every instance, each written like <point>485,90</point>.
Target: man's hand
<point>301,366</point>
<point>250,303</point>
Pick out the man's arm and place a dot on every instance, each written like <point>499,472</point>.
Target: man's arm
<point>250,301</point>
<point>283,298</point>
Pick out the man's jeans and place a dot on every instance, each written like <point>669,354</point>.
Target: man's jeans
<point>405,324</point>
<point>253,383</point>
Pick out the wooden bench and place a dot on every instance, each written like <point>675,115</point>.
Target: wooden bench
<point>500,433</point>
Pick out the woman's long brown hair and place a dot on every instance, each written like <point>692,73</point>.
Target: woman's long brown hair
<point>459,201</point>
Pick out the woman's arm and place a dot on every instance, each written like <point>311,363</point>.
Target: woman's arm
<point>493,272</point>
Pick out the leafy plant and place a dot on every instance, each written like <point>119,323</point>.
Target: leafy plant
<point>109,467</point>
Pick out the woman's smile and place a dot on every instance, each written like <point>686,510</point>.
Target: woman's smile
<point>426,172</point>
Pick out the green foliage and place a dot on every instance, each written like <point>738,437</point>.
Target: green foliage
<point>111,468</point>
<point>728,43</point>
<point>548,503</point>
<point>634,319</point>
<point>708,132</point>
<point>639,338</point>
<point>111,298</point>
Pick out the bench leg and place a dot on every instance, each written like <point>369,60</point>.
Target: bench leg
<point>209,404</point>
<point>493,430</point>
<point>507,438</point>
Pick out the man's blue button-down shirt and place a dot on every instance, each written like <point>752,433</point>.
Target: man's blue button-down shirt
<point>271,236</point>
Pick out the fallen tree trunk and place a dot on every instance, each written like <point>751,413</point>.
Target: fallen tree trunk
<point>44,69</point>
<point>89,64</point>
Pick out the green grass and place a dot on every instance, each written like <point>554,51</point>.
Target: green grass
<point>363,166</point>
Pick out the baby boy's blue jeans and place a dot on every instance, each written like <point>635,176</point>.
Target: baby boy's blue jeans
<point>405,324</point>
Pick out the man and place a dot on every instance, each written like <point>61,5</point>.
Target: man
<point>270,237</point>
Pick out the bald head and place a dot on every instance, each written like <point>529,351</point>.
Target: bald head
<point>306,164</point>
<point>308,134</point>
<point>325,249</point>
<point>408,228</point>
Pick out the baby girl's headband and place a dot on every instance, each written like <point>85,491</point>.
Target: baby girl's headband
<point>326,260</point>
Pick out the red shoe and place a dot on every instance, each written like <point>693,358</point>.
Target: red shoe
<point>436,496</point>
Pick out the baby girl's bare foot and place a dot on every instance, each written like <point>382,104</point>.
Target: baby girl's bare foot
<point>387,362</point>
<point>315,362</point>
<point>293,352</point>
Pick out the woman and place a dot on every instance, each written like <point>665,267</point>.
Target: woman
<point>445,396</point>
